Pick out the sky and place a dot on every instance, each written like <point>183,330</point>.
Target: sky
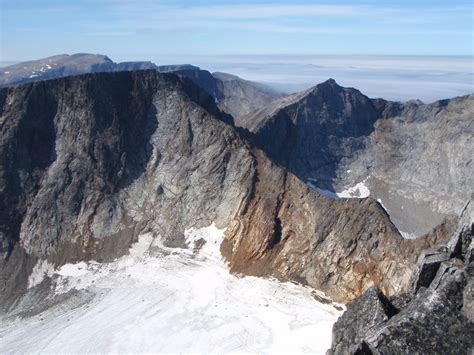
<point>157,30</point>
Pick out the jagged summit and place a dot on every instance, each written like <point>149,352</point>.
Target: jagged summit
<point>329,82</point>
<point>340,138</point>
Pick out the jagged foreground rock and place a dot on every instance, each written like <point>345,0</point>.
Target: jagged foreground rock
<point>88,163</point>
<point>435,316</point>
<point>415,158</point>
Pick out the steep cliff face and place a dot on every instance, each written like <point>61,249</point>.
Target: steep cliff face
<point>338,246</point>
<point>233,95</point>
<point>415,158</point>
<point>87,163</point>
<point>311,132</point>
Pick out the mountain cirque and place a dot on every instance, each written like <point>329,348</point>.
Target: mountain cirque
<point>414,158</point>
<point>88,163</point>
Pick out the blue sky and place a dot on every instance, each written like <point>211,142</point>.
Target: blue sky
<point>133,30</point>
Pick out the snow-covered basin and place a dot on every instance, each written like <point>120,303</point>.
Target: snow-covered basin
<point>180,302</point>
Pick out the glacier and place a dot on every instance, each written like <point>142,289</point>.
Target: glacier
<point>162,300</point>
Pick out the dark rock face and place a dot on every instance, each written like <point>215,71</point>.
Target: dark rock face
<point>428,266</point>
<point>204,80</point>
<point>311,132</point>
<point>128,66</point>
<point>87,163</point>
<point>174,67</point>
<point>415,158</point>
<point>232,94</point>
<point>435,318</point>
<point>79,163</point>
<point>367,312</point>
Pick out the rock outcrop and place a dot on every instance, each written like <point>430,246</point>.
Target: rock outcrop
<point>87,163</point>
<point>415,158</point>
<point>435,315</point>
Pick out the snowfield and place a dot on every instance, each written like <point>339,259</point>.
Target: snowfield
<point>360,190</point>
<point>170,300</point>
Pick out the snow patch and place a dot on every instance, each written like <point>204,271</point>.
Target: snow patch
<point>407,235</point>
<point>360,190</point>
<point>6,72</point>
<point>73,270</point>
<point>381,204</point>
<point>140,248</point>
<point>212,238</point>
<point>33,76</point>
<point>41,269</point>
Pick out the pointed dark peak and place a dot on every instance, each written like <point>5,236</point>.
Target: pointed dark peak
<point>328,86</point>
<point>331,87</point>
<point>330,82</point>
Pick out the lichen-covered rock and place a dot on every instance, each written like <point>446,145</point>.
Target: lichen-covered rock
<point>427,266</point>
<point>365,314</point>
<point>436,319</point>
<point>431,323</point>
<point>468,295</point>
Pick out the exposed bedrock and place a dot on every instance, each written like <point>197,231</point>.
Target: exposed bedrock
<point>87,163</point>
<point>415,158</point>
<point>434,316</point>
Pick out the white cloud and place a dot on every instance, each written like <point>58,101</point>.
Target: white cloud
<point>278,18</point>
<point>428,78</point>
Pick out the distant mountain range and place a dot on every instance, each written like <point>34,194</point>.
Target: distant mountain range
<point>232,94</point>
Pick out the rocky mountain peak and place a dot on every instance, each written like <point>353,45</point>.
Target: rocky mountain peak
<point>330,83</point>
<point>340,138</point>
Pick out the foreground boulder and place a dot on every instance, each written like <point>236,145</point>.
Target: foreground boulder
<point>435,318</point>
